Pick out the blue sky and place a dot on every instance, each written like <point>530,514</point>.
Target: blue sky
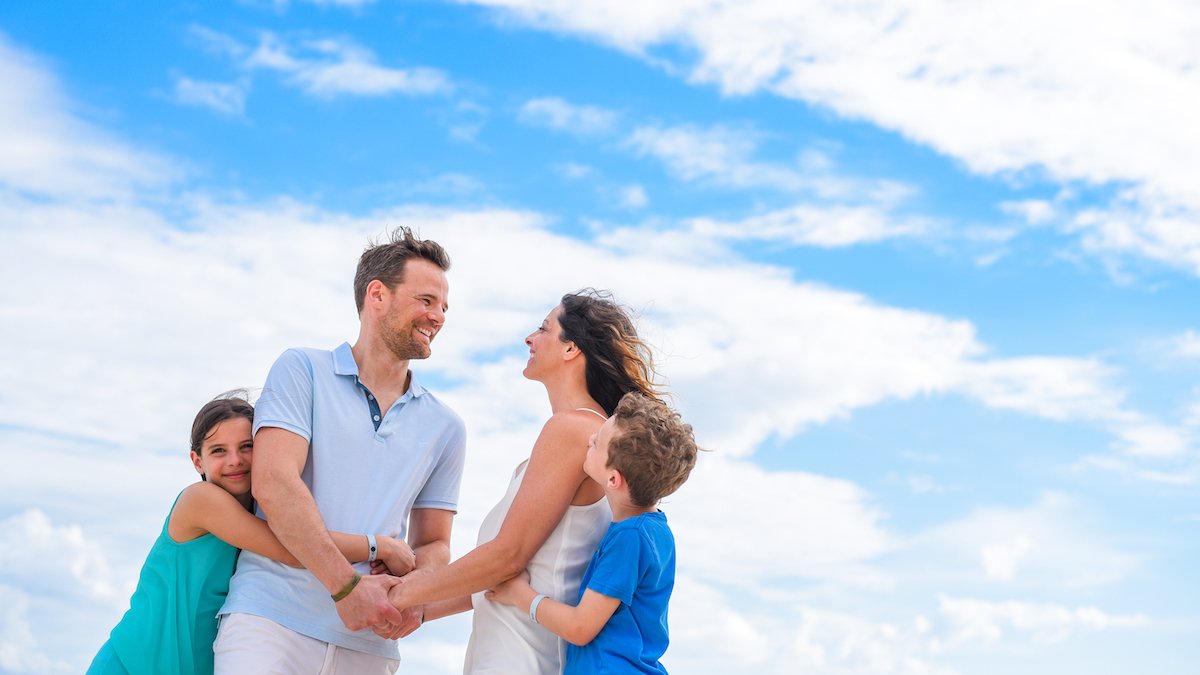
<point>922,275</point>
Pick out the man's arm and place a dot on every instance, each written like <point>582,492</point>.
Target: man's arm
<point>429,536</point>
<point>279,457</point>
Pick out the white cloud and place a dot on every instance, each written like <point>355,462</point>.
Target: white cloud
<point>20,651</point>
<point>227,99</point>
<point>1100,97</point>
<point>985,622</point>
<point>29,539</point>
<point>1045,547</point>
<point>556,113</point>
<point>331,67</point>
<point>49,151</point>
<point>1185,345</point>
<point>634,197</point>
<point>718,155</point>
<point>1032,211</point>
<point>811,225</point>
<point>1000,560</point>
<point>823,528</point>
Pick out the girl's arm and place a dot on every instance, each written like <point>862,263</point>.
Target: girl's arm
<point>206,508</point>
<point>578,625</point>
<point>552,478</point>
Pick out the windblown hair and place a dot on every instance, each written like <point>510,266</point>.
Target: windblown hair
<point>618,361</point>
<point>227,406</point>
<point>652,447</point>
<point>385,261</point>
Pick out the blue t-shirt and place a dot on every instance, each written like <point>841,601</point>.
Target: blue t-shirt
<point>636,565</point>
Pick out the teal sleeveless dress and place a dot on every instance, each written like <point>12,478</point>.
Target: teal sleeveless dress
<point>172,617</point>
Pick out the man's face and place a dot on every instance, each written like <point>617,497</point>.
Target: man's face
<point>416,311</point>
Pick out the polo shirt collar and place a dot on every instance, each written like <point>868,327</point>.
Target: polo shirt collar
<point>344,364</point>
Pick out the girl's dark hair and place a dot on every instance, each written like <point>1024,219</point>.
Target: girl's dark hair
<point>618,361</point>
<point>226,406</point>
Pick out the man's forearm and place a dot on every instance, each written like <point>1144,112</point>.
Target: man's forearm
<point>293,517</point>
<point>433,554</point>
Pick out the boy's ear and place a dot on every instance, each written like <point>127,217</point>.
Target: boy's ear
<point>615,480</point>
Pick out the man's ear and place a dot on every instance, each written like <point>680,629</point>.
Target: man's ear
<point>377,291</point>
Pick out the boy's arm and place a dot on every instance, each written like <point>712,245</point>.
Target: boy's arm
<point>577,624</point>
<point>580,624</point>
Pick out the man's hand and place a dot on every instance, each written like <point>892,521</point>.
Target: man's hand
<point>367,605</point>
<point>394,557</point>
<point>413,617</point>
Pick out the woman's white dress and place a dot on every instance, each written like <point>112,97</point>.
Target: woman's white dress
<point>503,638</point>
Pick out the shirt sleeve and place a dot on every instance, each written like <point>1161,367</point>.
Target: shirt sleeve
<point>441,490</point>
<point>618,566</point>
<point>287,397</point>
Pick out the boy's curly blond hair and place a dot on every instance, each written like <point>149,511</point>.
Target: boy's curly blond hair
<point>652,447</point>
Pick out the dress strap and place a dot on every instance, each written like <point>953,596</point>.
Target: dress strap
<point>602,415</point>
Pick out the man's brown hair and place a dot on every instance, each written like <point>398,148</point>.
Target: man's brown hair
<point>652,447</point>
<point>385,261</point>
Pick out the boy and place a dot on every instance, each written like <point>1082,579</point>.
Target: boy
<point>643,453</point>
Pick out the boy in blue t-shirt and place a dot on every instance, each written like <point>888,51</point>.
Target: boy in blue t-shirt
<point>641,454</point>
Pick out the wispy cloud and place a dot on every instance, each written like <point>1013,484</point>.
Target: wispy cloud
<point>332,67</point>
<point>556,113</point>
<point>1025,86</point>
<point>812,225</point>
<point>227,99</point>
<point>985,622</point>
<point>51,152</point>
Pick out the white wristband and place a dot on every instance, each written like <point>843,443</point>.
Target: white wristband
<point>533,606</point>
<point>372,549</point>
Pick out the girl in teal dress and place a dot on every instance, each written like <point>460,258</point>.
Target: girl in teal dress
<point>172,617</point>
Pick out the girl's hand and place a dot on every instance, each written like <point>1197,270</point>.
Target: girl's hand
<point>394,557</point>
<point>513,592</point>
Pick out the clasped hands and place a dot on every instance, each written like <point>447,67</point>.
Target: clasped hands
<point>369,606</point>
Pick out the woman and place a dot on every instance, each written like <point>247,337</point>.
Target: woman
<point>588,355</point>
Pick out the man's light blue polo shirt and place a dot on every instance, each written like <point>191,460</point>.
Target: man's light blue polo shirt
<point>364,479</point>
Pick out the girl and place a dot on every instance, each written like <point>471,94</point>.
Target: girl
<point>172,617</point>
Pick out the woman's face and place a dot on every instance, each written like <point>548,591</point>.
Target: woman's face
<point>545,346</point>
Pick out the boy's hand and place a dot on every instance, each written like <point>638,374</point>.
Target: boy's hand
<point>516,591</point>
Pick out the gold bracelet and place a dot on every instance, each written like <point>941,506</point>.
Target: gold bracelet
<point>340,595</point>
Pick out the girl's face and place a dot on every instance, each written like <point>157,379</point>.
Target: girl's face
<point>225,457</point>
<point>545,345</point>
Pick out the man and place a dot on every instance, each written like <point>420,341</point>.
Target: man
<point>347,440</point>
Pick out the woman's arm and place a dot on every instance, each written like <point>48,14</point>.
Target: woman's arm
<point>205,508</point>
<point>552,478</point>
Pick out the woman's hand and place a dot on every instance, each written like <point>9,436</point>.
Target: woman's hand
<point>513,592</point>
<point>394,557</point>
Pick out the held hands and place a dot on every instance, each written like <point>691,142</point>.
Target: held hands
<point>513,592</point>
<point>411,617</point>
<point>367,605</point>
<point>394,557</point>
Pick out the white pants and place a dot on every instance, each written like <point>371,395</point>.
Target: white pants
<point>251,644</point>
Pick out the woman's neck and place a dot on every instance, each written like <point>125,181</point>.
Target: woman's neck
<point>569,394</point>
